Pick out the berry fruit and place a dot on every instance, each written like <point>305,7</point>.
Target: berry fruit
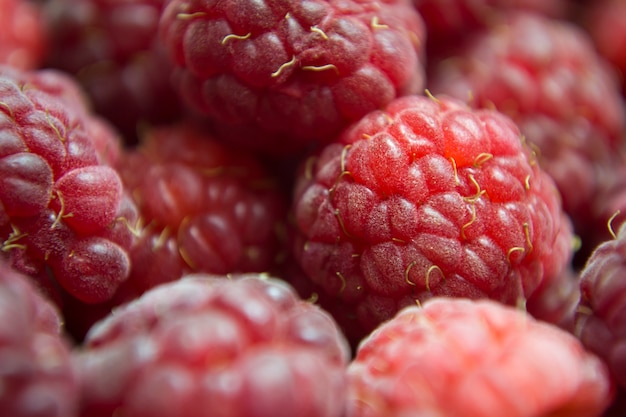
<point>456,357</point>
<point>427,198</point>
<point>22,37</point>
<point>296,71</point>
<point>36,373</point>
<point>236,346</point>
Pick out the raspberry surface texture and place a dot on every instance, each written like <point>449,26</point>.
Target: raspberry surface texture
<point>559,91</point>
<point>204,207</point>
<point>458,357</point>
<point>601,322</point>
<point>290,73</point>
<point>62,207</point>
<point>428,198</point>
<point>236,346</point>
<point>112,49</point>
<point>22,38</point>
<point>37,375</point>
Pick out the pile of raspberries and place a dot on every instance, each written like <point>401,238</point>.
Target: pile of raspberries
<point>312,208</point>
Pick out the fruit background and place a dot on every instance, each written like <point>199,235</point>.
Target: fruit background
<point>329,208</point>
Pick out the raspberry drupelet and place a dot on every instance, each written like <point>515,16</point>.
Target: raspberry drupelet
<point>429,198</point>
<point>291,74</point>
<point>458,357</point>
<point>218,346</point>
<point>63,209</point>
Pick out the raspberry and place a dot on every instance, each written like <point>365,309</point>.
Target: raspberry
<point>37,376</point>
<point>604,20</point>
<point>600,323</point>
<point>206,345</point>
<point>62,207</point>
<point>291,74</point>
<point>111,47</point>
<point>427,198</point>
<point>448,22</point>
<point>205,207</point>
<point>22,40</point>
<point>557,89</point>
<point>456,357</point>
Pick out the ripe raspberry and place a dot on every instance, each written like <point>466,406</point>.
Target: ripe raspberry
<point>61,207</point>
<point>112,48</point>
<point>601,323</point>
<point>605,21</point>
<point>428,198</point>
<point>22,40</point>
<point>292,73</point>
<point>206,207</point>
<point>448,22</point>
<point>37,376</point>
<point>212,346</point>
<point>559,92</point>
<point>457,357</point>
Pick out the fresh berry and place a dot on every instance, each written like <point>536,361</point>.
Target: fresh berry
<point>426,198</point>
<point>557,89</point>
<point>112,48</point>
<point>36,373</point>
<point>22,34</point>
<point>455,357</point>
<point>448,22</point>
<point>237,346</point>
<point>62,208</point>
<point>204,207</point>
<point>601,322</point>
<point>291,74</point>
<point>605,21</point>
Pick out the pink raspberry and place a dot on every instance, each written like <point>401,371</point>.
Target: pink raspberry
<point>455,357</point>
<point>291,74</point>
<point>428,198</point>
<point>236,346</point>
<point>22,37</point>
<point>62,207</point>
<point>36,372</point>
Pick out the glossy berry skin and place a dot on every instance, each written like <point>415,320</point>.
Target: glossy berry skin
<point>204,207</point>
<point>112,49</point>
<point>62,207</point>
<point>22,38</point>
<point>37,377</point>
<point>236,346</point>
<point>559,91</point>
<point>600,321</point>
<point>457,357</point>
<point>292,74</point>
<point>428,198</point>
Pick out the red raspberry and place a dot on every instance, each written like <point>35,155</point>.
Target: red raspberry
<point>428,198</point>
<point>112,48</point>
<point>205,207</point>
<point>211,346</point>
<point>22,39</point>
<point>37,376</point>
<point>296,71</point>
<point>448,22</point>
<point>559,92</point>
<point>457,357</point>
<point>605,21</point>
<point>61,207</point>
<point>601,323</point>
